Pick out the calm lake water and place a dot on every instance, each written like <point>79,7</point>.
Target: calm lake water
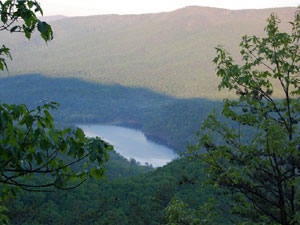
<point>131,143</point>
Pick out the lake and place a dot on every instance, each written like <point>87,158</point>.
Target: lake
<point>131,143</point>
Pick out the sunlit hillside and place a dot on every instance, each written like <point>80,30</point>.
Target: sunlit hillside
<point>170,53</point>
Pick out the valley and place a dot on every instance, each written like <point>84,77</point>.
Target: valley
<point>164,119</point>
<point>150,78</point>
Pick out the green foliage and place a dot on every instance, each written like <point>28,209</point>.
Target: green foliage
<point>141,199</point>
<point>260,167</point>
<point>31,145</point>
<point>79,206</point>
<point>178,213</point>
<point>4,51</point>
<point>128,200</point>
<point>13,11</point>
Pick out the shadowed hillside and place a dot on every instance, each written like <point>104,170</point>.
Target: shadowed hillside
<point>170,53</point>
<point>164,119</point>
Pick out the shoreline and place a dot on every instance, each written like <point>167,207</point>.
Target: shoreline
<point>158,139</point>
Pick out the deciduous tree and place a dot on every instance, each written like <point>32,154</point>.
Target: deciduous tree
<point>30,145</point>
<point>256,156</point>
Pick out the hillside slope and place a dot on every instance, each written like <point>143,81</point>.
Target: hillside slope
<point>166,120</point>
<point>126,201</point>
<point>170,53</point>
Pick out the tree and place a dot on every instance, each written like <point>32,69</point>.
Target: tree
<point>20,16</point>
<point>30,145</point>
<point>178,213</point>
<point>254,151</point>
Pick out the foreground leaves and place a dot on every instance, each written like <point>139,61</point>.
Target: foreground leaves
<point>30,146</point>
<point>257,159</point>
<point>21,16</point>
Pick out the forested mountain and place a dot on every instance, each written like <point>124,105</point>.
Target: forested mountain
<point>128,196</point>
<point>125,201</point>
<point>170,52</point>
<point>165,119</point>
<point>153,72</point>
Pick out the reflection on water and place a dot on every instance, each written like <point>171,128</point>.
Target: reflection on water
<point>131,143</point>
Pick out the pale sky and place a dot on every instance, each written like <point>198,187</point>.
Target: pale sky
<point>97,7</point>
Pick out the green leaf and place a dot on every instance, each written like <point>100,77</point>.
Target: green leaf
<point>79,134</point>
<point>59,182</point>
<point>48,116</point>
<point>45,30</point>
<point>13,29</point>
<point>39,158</point>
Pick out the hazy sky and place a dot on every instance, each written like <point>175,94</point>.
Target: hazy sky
<point>95,7</point>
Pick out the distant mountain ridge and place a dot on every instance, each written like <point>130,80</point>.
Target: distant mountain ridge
<point>169,52</point>
<point>53,18</point>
